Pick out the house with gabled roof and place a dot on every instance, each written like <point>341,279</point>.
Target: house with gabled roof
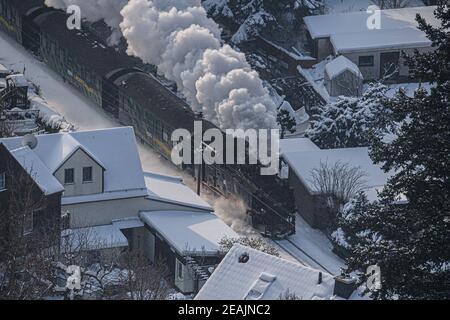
<point>108,198</point>
<point>249,274</point>
<point>373,40</point>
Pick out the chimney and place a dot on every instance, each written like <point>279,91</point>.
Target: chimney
<point>344,286</point>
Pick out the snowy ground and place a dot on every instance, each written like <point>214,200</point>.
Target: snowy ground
<point>316,246</point>
<point>84,115</point>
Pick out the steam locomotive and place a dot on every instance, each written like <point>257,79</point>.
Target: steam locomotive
<point>121,86</point>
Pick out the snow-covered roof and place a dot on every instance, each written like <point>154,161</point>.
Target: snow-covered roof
<point>37,170</point>
<point>349,31</point>
<point>189,232</point>
<point>93,238</point>
<point>340,64</point>
<point>128,223</point>
<point>3,69</point>
<point>172,189</point>
<point>380,39</point>
<point>296,145</point>
<point>303,164</point>
<point>18,80</point>
<point>263,277</point>
<point>114,149</point>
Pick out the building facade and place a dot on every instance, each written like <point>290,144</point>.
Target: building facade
<point>29,209</point>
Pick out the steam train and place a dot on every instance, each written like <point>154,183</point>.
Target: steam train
<point>120,85</point>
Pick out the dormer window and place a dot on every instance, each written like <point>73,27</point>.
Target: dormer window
<point>87,174</point>
<point>69,176</point>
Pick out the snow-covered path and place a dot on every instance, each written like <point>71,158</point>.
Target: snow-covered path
<point>76,109</point>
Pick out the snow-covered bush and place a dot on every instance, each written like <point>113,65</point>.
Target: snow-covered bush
<point>257,243</point>
<point>351,122</point>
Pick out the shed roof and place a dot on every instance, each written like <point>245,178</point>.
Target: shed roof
<point>173,190</point>
<point>303,164</point>
<point>189,232</point>
<point>340,64</point>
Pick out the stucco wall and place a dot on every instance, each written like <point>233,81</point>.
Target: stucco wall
<point>104,212</point>
<point>373,73</point>
<point>78,161</point>
<point>324,48</point>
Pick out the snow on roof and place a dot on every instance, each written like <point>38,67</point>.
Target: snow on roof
<point>128,223</point>
<point>173,190</point>
<point>303,164</point>
<point>380,39</point>
<point>189,232</point>
<point>338,65</point>
<point>349,31</point>
<point>3,69</point>
<point>18,79</point>
<point>37,170</point>
<point>93,238</point>
<point>114,149</point>
<point>296,145</point>
<point>263,277</point>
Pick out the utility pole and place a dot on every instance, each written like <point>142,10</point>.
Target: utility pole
<point>200,174</point>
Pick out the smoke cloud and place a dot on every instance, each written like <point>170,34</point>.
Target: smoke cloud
<point>179,38</point>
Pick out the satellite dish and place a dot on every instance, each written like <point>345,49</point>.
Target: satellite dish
<point>30,140</point>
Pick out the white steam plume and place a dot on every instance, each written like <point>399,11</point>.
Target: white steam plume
<point>179,38</point>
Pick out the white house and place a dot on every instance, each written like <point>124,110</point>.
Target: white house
<point>102,176</point>
<point>109,199</point>
<point>249,274</point>
<point>375,50</point>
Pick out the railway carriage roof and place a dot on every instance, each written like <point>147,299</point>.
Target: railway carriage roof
<point>83,46</point>
<point>148,92</point>
<point>22,6</point>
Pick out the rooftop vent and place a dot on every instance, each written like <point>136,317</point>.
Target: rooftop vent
<point>243,258</point>
<point>29,141</point>
<point>260,286</point>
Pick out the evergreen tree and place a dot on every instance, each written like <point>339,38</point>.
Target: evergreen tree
<point>410,240</point>
<point>250,17</point>
<point>351,122</point>
<point>286,122</point>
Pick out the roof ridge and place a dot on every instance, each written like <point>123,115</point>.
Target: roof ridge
<point>292,263</point>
